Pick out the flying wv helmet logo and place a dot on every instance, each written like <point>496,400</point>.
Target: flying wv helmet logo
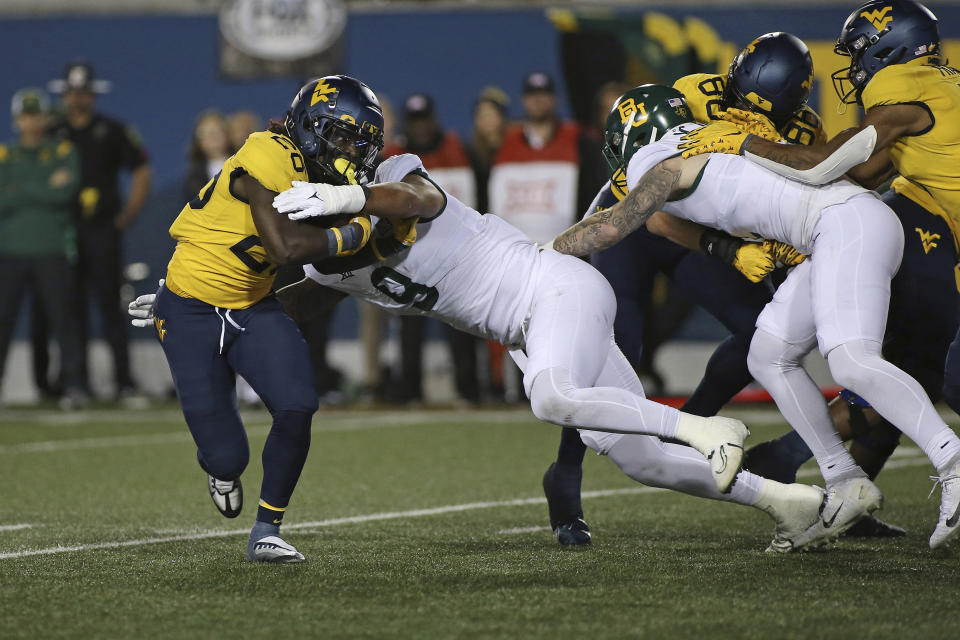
<point>928,239</point>
<point>324,93</point>
<point>879,18</point>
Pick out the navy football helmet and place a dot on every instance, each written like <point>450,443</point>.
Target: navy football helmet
<point>881,33</point>
<point>772,76</point>
<point>337,123</point>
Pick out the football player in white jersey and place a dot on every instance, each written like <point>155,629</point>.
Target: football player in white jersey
<point>479,274</point>
<point>837,298</point>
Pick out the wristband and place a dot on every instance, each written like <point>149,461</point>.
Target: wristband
<point>720,245</point>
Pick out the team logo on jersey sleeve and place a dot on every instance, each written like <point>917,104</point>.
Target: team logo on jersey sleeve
<point>879,18</point>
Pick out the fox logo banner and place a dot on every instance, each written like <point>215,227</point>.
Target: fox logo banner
<point>879,18</point>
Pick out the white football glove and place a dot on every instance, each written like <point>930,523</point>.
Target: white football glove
<point>310,199</point>
<point>141,309</point>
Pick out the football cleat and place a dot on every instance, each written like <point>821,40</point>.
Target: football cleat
<point>871,527</point>
<point>725,452</point>
<point>274,550</point>
<point>573,534</point>
<point>768,459</point>
<point>948,524</point>
<point>227,495</point>
<point>846,502</point>
<point>794,507</point>
<point>561,486</point>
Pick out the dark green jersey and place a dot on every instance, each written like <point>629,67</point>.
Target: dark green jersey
<point>38,188</point>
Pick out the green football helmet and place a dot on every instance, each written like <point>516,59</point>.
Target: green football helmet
<point>640,116</point>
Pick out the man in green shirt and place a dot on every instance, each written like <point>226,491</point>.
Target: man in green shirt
<point>38,181</point>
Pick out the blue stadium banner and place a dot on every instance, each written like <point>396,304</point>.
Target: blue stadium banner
<point>269,38</point>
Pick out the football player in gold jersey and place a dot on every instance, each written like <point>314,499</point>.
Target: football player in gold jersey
<point>214,315</point>
<point>911,99</point>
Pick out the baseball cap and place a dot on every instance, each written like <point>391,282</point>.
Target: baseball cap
<point>495,96</point>
<point>418,105</point>
<point>538,81</point>
<point>29,100</point>
<point>79,75</point>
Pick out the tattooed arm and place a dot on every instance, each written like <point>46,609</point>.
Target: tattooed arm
<point>608,227</point>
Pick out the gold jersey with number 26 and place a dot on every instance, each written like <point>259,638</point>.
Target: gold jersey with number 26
<point>704,91</point>
<point>219,258</point>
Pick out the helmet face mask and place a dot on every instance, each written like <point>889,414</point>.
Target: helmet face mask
<point>772,75</point>
<point>323,123</point>
<point>640,116</point>
<point>878,34</point>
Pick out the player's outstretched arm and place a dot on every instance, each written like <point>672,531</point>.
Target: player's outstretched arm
<point>608,227</point>
<point>289,242</point>
<point>411,197</point>
<point>890,122</point>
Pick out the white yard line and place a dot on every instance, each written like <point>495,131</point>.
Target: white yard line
<point>15,527</point>
<point>375,517</point>
<point>519,530</point>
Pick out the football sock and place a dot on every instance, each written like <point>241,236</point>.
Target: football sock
<point>792,451</point>
<point>555,398</point>
<point>896,396</point>
<point>655,463</point>
<point>284,454</point>
<point>725,376</point>
<point>777,365</point>
<point>570,453</point>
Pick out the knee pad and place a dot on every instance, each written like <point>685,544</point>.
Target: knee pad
<point>850,365</point>
<point>547,399</point>
<point>226,462</point>
<point>293,424</point>
<point>768,352</point>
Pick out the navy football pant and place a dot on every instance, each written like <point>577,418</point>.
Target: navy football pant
<point>206,347</point>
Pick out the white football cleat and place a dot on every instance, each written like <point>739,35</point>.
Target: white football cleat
<point>846,503</point>
<point>948,524</point>
<point>227,495</point>
<point>720,440</point>
<point>273,549</point>
<point>794,507</point>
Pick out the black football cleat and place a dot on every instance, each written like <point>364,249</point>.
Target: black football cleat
<point>871,527</point>
<point>573,534</point>
<point>768,460</point>
<point>561,486</point>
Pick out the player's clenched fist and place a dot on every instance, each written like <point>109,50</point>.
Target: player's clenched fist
<point>751,122</point>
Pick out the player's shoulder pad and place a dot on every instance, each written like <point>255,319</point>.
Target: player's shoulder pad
<point>396,168</point>
<point>64,147</point>
<point>895,84</point>
<point>703,92</point>
<point>805,128</point>
<point>272,160</point>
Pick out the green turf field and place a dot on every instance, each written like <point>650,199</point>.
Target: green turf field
<point>425,525</point>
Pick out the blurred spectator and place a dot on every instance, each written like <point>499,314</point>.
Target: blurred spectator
<point>444,158</point>
<point>593,168</point>
<point>210,146</point>
<point>106,146</point>
<point>533,181</point>
<point>533,185</point>
<point>39,177</point>
<point>241,124</point>
<point>489,126</point>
